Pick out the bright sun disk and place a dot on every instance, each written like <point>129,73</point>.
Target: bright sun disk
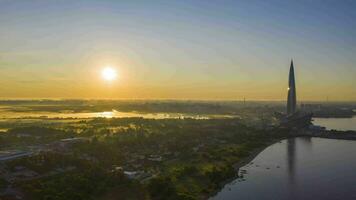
<point>109,74</point>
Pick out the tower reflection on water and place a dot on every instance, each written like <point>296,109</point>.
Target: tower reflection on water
<point>291,155</point>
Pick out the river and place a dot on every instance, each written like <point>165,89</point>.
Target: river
<point>298,168</point>
<point>342,124</point>
<point>107,114</point>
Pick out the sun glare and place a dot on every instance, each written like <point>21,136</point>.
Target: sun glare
<point>109,74</point>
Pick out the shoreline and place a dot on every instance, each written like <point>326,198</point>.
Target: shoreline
<point>334,116</point>
<point>244,161</point>
<point>330,134</point>
<point>253,154</point>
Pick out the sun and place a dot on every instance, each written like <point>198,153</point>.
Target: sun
<point>109,74</point>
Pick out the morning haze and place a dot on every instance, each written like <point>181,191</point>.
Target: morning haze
<point>177,100</point>
<point>187,50</point>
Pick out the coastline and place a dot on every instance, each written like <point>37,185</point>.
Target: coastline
<point>244,161</point>
<point>330,134</point>
<point>338,135</point>
<point>253,154</point>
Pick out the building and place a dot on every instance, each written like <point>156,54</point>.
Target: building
<point>293,117</point>
<point>292,94</point>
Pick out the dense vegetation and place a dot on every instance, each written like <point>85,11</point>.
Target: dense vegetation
<point>195,156</point>
<point>3,183</point>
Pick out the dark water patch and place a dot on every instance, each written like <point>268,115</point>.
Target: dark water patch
<point>299,168</point>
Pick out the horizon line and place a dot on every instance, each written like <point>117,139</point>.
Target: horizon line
<point>170,99</point>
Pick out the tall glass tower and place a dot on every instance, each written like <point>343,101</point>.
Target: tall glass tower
<point>292,96</point>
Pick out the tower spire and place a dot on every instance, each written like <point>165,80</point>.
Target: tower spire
<point>292,96</point>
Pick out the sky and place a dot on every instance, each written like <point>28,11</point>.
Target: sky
<point>218,50</point>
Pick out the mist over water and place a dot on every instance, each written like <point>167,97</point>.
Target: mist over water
<point>105,114</point>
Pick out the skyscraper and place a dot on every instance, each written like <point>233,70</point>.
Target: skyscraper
<point>294,119</point>
<point>292,96</point>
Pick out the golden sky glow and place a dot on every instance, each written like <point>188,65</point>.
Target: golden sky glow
<point>177,51</point>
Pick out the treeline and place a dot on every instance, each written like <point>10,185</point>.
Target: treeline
<point>81,184</point>
<point>197,155</point>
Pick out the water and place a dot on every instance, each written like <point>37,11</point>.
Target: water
<point>343,124</point>
<point>106,114</point>
<point>299,168</point>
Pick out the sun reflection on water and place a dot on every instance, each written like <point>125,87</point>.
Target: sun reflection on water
<point>106,114</point>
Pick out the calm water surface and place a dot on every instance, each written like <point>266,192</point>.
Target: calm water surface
<point>107,114</point>
<point>337,123</point>
<point>299,168</point>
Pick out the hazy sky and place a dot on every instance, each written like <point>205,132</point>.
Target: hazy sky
<point>178,49</point>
